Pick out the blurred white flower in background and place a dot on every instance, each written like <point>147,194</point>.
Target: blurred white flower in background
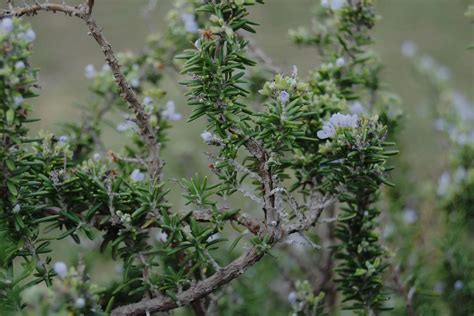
<point>408,49</point>
<point>292,298</point>
<point>333,4</point>
<point>125,126</point>
<point>190,23</point>
<point>409,216</point>
<point>89,71</point>
<point>170,112</point>
<point>60,268</point>
<point>443,183</point>
<point>458,285</point>
<point>80,303</point>
<point>356,107</point>
<point>340,62</point>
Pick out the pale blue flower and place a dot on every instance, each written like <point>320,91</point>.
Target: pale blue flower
<point>336,121</point>
<point>60,268</point>
<point>170,112</point>
<point>333,4</point>
<point>6,25</point>
<point>284,97</point>
<point>356,108</point>
<point>137,175</point>
<point>89,71</point>
<point>190,23</point>
<point>409,216</point>
<point>293,298</point>
<point>18,100</point>
<point>125,126</point>
<point>97,157</point>
<point>207,136</point>
<point>63,139</point>
<point>408,49</point>
<point>340,62</point>
<point>458,285</point>
<point>80,303</point>
<point>443,183</point>
<point>29,36</point>
<point>135,83</point>
<point>147,100</point>
<point>161,236</point>
<point>19,65</point>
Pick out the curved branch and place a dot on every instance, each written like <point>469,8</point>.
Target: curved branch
<point>126,92</point>
<point>197,291</point>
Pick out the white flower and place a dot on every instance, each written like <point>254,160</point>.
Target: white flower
<point>284,97</point>
<point>293,298</point>
<point>207,136</point>
<point>63,139</point>
<point>135,83</point>
<point>170,112</point>
<point>458,285</point>
<point>408,49</point>
<point>105,67</point>
<point>340,62</point>
<point>137,175</point>
<point>356,108</point>
<point>443,183</point>
<point>18,100</point>
<point>6,25</point>
<point>89,71</point>
<point>336,121</point>
<point>409,216</point>
<point>161,236</point>
<point>147,100</point>
<point>60,268</point>
<point>325,3</point>
<point>190,23</point>
<point>80,303</point>
<point>97,157</point>
<point>19,65</point>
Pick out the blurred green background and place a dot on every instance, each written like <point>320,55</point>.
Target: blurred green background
<point>438,27</point>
